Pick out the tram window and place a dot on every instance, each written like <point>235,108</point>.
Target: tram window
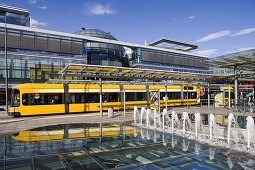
<point>25,99</point>
<point>15,98</point>
<point>113,97</point>
<point>130,96</point>
<point>141,96</point>
<point>170,95</point>
<point>91,97</point>
<point>135,96</point>
<point>174,95</point>
<point>79,98</point>
<point>193,95</point>
<point>72,98</point>
<point>177,95</point>
<point>189,87</point>
<point>55,98</point>
<point>38,99</point>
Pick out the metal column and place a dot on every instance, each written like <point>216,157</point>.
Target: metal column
<point>187,96</point>
<point>100,96</point>
<point>159,101</point>
<point>208,94</point>
<point>182,93</point>
<point>166,95</point>
<point>6,66</point>
<point>229,97</point>
<point>124,102</point>
<point>236,86</point>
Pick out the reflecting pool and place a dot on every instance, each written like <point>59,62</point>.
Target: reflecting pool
<point>104,146</point>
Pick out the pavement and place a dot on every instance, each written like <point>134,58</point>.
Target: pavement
<point>10,125</point>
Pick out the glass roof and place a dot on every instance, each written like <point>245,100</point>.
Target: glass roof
<point>244,60</point>
<point>95,33</point>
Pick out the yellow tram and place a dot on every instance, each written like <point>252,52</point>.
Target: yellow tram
<point>41,99</point>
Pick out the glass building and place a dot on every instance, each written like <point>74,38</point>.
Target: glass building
<point>99,53</point>
<point>36,55</point>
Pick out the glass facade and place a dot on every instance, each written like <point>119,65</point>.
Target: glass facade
<point>162,60</point>
<point>37,57</point>
<point>16,19</point>
<point>99,53</point>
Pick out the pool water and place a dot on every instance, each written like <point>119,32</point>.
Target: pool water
<point>104,146</point>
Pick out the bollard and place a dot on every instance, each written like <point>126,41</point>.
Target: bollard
<point>110,112</point>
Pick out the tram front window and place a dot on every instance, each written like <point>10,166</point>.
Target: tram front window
<point>15,98</point>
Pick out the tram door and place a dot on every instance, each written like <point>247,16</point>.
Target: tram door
<point>154,99</point>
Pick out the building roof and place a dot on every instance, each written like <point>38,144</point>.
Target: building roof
<point>14,10</point>
<point>95,33</point>
<point>166,41</point>
<point>244,60</point>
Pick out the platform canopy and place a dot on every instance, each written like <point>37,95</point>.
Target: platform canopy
<point>84,70</point>
<point>244,60</point>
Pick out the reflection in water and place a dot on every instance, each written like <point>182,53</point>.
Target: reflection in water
<point>230,163</point>
<point>185,145</point>
<point>94,146</point>
<point>211,153</point>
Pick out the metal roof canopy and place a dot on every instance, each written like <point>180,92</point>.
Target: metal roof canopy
<point>15,10</point>
<point>84,70</point>
<point>170,41</point>
<point>244,60</point>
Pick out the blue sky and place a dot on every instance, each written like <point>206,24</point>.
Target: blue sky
<point>218,26</point>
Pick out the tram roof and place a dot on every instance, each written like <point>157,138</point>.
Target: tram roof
<point>85,70</point>
<point>244,60</point>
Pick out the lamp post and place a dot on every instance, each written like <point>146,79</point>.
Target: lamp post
<point>6,65</point>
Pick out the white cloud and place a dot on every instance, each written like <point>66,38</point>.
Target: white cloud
<point>43,7</point>
<point>98,9</point>
<point>191,17</point>
<point>35,23</point>
<point>32,1</point>
<point>244,31</point>
<point>214,36</point>
<point>206,52</point>
<point>244,49</point>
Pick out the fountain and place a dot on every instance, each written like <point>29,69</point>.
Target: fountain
<point>212,126</point>
<point>155,118</point>
<point>198,123</point>
<point>174,142</point>
<point>164,140</point>
<point>250,129</point>
<point>135,133</point>
<point>197,148</point>
<point>142,134</point>
<point>148,113</point>
<point>230,163</point>
<point>143,111</point>
<point>171,124</point>
<point>211,153</point>
<point>148,136</point>
<point>175,119</point>
<point>159,122</point>
<point>185,145</point>
<point>135,113</point>
<point>185,119</point>
<point>231,119</point>
<point>163,119</point>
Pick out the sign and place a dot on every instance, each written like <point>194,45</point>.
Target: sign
<point>3,86</point>
<point>202,90</point>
